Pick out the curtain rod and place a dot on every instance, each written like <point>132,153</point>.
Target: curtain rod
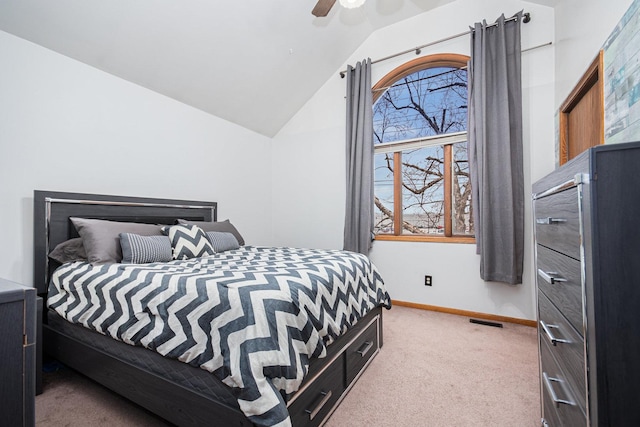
<point>464,68</point>
<point>526,17</point>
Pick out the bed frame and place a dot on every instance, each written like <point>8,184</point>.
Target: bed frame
<point>327,383</point>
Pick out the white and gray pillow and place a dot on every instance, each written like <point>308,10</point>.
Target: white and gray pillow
<point>222,226</point>
<point>138,249</point>
<point>188,241</point>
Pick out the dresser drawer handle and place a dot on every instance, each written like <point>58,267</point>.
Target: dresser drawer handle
<point>550,221</point>
<point>364,349</point>
<point>326,395</point>
<point>547,331</point>
<point>549,277</point>
<point>548,384</point>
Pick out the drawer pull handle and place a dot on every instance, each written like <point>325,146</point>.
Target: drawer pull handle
<point>326,395</point>
<point>549,277</point>
<point>547,331</point>
<point>365,348</point>
<point>548,384</point>
<point>550,221</point>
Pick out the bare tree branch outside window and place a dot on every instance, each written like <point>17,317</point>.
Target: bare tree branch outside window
<point>426,103</point>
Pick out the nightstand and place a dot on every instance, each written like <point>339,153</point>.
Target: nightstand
<point>17,353</point>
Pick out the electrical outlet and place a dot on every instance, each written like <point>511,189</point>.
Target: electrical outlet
<point>427,280</point>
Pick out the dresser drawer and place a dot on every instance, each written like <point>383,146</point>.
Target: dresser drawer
<point>315,403</point>
<point>566,346</point>
<point>557,222</point>
<point>549,411</point>
<point>361,351</point>
<point>559,399</point>
<point>560,279</point>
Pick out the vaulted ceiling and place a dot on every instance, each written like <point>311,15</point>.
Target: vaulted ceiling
<point>251,62</point>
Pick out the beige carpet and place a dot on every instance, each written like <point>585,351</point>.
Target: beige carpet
<point>435,369</point>
<point>439,369</point>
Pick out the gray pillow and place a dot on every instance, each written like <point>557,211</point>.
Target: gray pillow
<point>101,238</point>
<point>138,249</point>
<point>222,241</point>
<point>69,251</point>
<point>223,226</point>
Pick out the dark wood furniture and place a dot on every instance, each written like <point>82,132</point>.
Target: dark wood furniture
<point>587,236</point>
<point>328,381</point>
<point>52,210</point>
<point>39,308</point>
<point>17,354</point>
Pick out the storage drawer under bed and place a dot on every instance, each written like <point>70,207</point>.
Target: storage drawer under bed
<point>318,396</point>
<point>361,351</point>
<point>316,402</point>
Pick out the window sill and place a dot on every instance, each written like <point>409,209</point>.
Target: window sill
<point>435,239</point>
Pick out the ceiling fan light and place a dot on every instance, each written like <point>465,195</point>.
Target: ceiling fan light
<point>351,4</point>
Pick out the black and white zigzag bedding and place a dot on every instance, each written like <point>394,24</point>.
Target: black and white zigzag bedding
<point>253,316</point>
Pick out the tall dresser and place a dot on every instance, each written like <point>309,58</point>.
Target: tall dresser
<point>587,237</point>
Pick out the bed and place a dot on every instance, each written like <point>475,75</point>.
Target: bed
<point>289,360</point>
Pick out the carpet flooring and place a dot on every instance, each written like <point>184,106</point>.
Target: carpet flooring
<point>435,369</point>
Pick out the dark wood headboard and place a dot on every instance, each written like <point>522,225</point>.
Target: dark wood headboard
<point>52,210</point>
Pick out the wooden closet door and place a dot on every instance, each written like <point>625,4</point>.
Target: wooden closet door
<point>582,114</point>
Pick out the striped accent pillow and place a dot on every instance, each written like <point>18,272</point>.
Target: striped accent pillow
<point>222,241</point>
<point>188,241</point>
<point>138,249</point>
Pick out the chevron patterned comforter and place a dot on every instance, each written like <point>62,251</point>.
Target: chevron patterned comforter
<point>254,316</point>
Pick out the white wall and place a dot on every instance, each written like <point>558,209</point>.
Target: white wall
<point>65,126</point>
<point>308,158</point>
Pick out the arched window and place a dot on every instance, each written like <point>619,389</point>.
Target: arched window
<point>422,185</point>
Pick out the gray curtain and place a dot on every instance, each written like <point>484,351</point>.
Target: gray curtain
<point>495,148</point>
<point>358,224</point>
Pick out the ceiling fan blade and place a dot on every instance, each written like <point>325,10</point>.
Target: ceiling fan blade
<point>322,8</point>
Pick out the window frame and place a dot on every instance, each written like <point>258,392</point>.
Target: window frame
<point>415,65</point>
